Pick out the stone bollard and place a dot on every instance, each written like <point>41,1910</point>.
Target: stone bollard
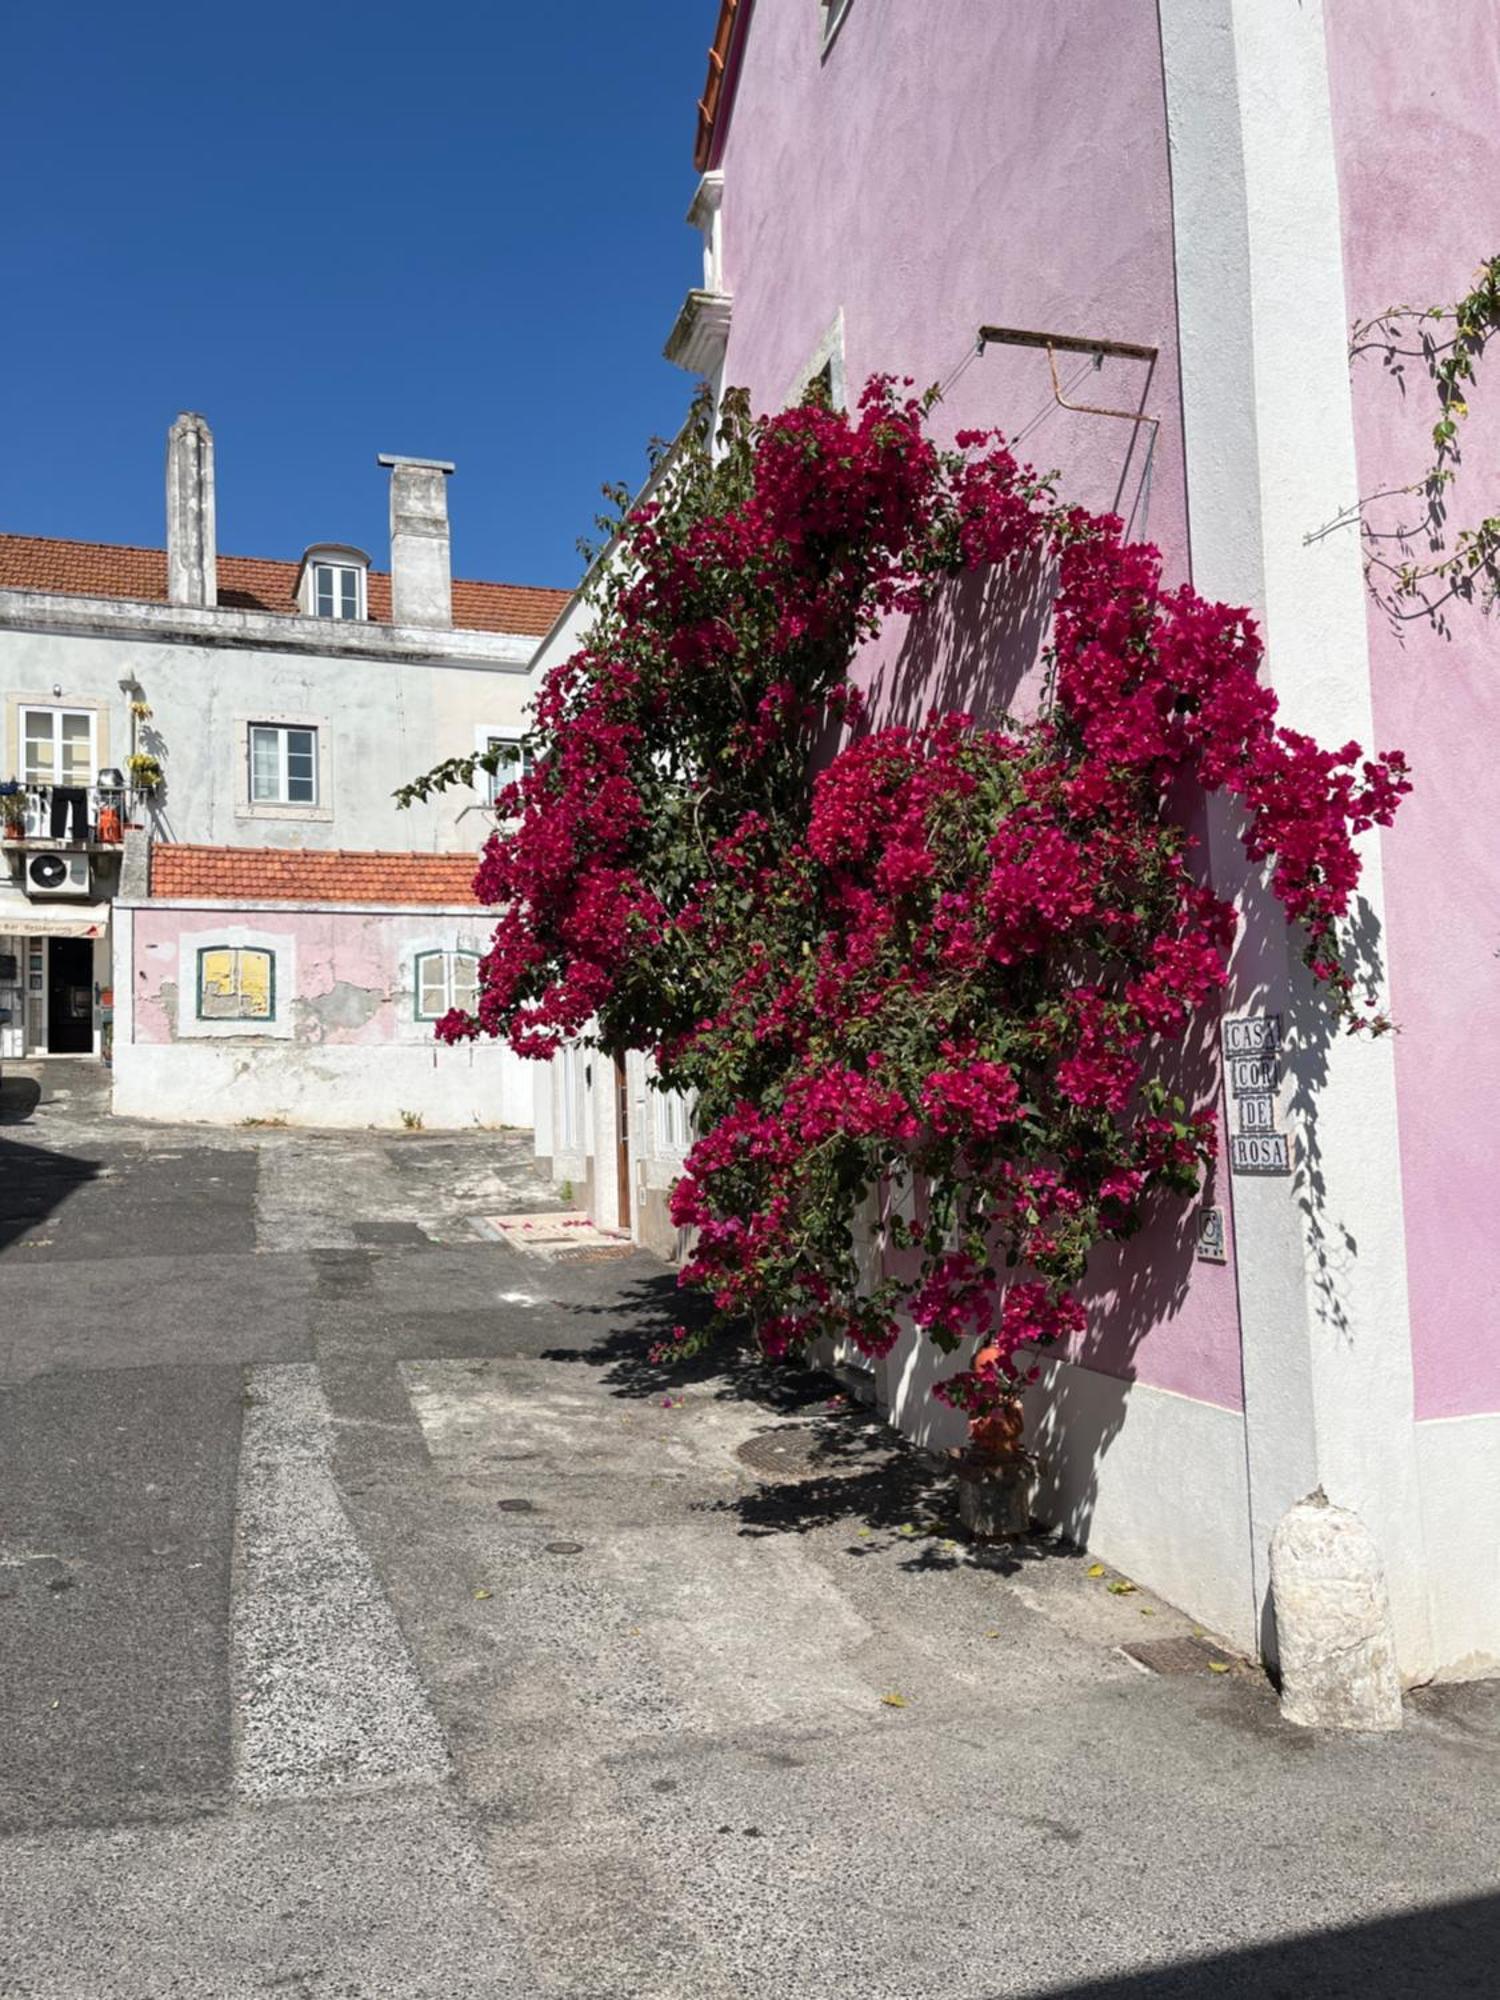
<point>1333,1620</point>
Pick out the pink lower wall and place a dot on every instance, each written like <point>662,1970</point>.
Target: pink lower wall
<point>353,978</point>
<point>1415,89</point>
<point>940,168</point>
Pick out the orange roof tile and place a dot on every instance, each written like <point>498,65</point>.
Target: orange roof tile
<point>305,875</point>
<point>251,583</point>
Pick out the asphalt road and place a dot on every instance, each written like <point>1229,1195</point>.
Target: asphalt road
<point>375,1620</point>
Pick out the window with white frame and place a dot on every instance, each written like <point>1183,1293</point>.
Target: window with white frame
<point>674,1121</point>
<point>338,590</point>
<point>57,746</point>
<point>515,761</point>
<point>283,764</point>
<point>445,980</point>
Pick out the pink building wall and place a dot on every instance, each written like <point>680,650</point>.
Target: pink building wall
<point>926,183</point>
<point>353,980</point>
<point>1414,94</point>
<point>344,1046</point>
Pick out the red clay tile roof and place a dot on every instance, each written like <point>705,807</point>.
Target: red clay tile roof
<point>302,875</point>
<point>251,583</point>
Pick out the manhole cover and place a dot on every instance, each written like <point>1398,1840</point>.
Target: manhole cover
<point>803,1451</point>
<point>1173,1656</point>
<point>564,1548</point>
<point>516,1506</point>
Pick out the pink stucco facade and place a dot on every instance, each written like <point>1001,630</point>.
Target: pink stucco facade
<point>344,977</point>
<point>1230,183</point>
<point>321,1026</point>
<point>922,183</point>
<point>1418,152</point>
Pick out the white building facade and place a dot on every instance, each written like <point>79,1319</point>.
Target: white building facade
<point>175,698</point>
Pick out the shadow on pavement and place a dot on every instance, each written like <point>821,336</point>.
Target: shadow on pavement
<point>19,1097</point>
<point>1452,1949</point>
<point>853,1465</point>
<point>34,1183</point>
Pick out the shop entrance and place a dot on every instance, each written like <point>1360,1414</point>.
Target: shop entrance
<point>70,996</point>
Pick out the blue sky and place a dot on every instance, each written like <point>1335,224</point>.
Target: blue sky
<point>454,231</point>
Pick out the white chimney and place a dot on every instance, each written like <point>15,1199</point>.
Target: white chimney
<point>421,573</point>
<point>192,555</point>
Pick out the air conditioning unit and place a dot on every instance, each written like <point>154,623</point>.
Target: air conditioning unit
<point>50,874</point>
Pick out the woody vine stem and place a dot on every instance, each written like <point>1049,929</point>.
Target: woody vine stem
<point>1447,340</point>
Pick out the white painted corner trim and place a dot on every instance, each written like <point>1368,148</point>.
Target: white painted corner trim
<point>1269,446</point>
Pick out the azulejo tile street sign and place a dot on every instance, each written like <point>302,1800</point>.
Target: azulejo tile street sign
<point>1252,1057</point>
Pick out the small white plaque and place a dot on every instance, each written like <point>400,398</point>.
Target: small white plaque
<point>1211,1248</point>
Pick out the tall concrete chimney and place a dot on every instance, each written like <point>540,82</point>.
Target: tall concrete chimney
<point>421,573</point>
<point>192,554</point>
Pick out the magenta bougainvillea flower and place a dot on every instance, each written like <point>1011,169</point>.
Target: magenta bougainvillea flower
<point>938,975</point>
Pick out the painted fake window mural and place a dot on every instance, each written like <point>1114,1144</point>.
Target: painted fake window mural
<point>236,983</point>
<point>445,980</point>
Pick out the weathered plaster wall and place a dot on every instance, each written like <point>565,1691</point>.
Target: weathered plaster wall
<point>381,721</point>
<point>1415,85</point>
<point>331,1086</point>
<point>352,976</point>
<point>345,1047</point>
<point>942,169</point>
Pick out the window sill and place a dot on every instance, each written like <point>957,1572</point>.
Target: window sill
<point>266,810</point>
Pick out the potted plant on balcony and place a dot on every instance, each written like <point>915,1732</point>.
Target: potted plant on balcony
<point>146,774</point>
<point>12,810</point>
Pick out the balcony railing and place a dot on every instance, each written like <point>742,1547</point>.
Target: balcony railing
<point>76,816</point>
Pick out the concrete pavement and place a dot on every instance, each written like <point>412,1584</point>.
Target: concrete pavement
<point>376,1620</point>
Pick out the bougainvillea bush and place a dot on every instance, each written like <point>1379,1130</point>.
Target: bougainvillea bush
<point>955,959</point>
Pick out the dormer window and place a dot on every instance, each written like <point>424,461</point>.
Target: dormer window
<point>332,582</point>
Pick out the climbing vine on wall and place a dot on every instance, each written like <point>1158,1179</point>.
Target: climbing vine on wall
<point>949,968</point>
<point>1413,561</point>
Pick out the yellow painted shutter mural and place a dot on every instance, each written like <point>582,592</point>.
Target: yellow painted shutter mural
<point>255,985</point>
<point>234,985</point>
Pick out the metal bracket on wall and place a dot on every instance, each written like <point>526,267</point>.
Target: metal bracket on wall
<point>1070,343</point>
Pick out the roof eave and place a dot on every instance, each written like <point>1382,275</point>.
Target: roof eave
<point>717,101</point>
